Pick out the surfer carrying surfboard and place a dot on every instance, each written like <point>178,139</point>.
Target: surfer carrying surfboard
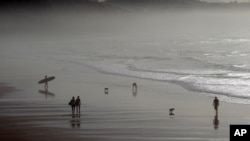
<point>45,81</point>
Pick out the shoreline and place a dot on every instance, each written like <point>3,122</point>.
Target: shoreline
<point>82,45</point>
<point>121,116</point>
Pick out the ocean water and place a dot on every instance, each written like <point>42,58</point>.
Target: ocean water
<point>215,67</point>
<point>202,51</point>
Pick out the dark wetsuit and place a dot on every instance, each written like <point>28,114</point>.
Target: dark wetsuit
<point>216,103</point>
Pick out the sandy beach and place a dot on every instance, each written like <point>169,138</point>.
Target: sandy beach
<point>176,59</point>
<point>120,115</point>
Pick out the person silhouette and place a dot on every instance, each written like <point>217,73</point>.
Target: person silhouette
<point>216,104</point>
<point>134,89</point>
<point>78,104</point>
<point>46,86</point>
<point>72,104</point>
<point>134,85</point>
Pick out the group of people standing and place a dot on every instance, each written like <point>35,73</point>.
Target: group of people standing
<point>75,104</point>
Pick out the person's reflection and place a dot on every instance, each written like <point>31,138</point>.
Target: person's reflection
<point>134,93</point>
<point>76,120</point>
<point>216,122</point>
<point>72,121</point>
<point>46,93</point>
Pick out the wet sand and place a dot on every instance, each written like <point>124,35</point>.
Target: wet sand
<point>6,89</point>
<point>15,128</point>
<point>121,115</point>
<point>50,43</point>
<point>12,129</point>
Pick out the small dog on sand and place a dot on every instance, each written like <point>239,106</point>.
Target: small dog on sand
<point>171,111</point>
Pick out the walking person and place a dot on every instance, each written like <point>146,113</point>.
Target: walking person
<point>72,103</point>
<point>46,86</point>
<point>134,89</point>
<point>134,85</point>
<point>78,104</point>
<point>216,104</point>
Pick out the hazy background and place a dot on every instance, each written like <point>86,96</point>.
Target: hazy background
<point>179,52</point>
<point>201,47</point>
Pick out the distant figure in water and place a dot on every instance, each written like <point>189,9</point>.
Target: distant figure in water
<point>134,89</point>
<point>78,104</point>
<point>134,85</point>
<point>72,104</point>
<point>216,104</point>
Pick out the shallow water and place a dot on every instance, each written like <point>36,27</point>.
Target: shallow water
<point>116,120</point>
<point>202,51</point>
<point>212,60</point>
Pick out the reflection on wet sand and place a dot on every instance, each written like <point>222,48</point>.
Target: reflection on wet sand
<point>76,120</point>
<point>46,93</point>
<point>216,121</point>
<point>134,93</point>
<point>134,89</point>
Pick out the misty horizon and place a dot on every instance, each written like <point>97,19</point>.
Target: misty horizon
<point>136,2</point>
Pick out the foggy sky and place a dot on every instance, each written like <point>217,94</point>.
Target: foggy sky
<point>226,0</point>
